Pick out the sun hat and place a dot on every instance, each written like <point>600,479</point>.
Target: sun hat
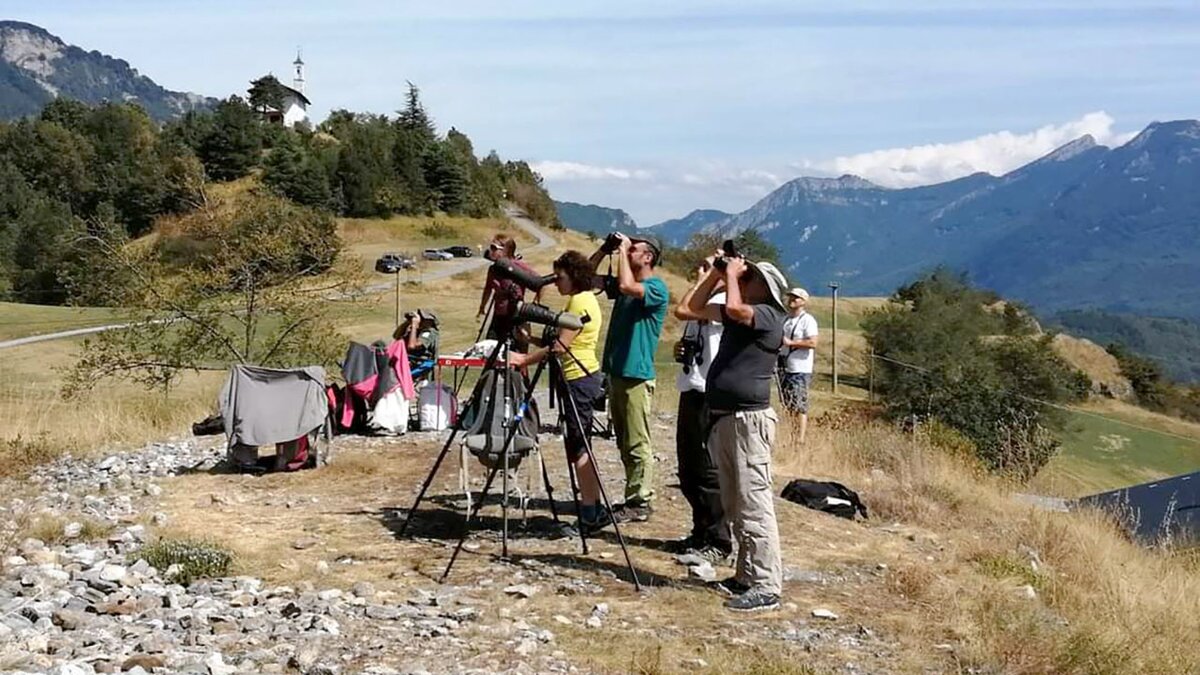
<point>775,280</point>
<point>799,293</point>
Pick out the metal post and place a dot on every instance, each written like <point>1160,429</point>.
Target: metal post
<point>834,285</point>
<point>397,298</point>
<point>871,376</point>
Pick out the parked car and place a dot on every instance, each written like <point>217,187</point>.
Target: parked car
<point>460,251</point>
<point>437,254</point>
<point>390,263</point>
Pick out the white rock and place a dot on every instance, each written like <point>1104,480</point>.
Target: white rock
<point>217,666</point>
<point>112,573</point>
<point>593,622</point>
<point>822,613</point>
<point>522,590</point>
<point>72,530</point>
<point>322,567</point>
<point>1028,592</point>
<point>562,619</point>
<point>527,647</point>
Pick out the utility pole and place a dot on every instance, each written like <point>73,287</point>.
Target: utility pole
<point>833,285</point>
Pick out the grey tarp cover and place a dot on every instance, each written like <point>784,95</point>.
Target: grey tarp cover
<point>264,406</point>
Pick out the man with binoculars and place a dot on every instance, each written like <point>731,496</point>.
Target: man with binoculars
<point>633,332</point>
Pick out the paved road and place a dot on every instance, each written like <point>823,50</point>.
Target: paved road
<point>432,271</point>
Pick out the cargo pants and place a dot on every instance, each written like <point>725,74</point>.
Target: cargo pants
<point>629,408</point>
<point>740,443</point>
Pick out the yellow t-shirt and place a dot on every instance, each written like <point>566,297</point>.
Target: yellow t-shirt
<point>584,344</point>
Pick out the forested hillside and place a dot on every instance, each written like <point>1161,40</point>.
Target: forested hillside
<point>78,173</point>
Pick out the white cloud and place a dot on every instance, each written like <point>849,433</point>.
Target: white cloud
<point>576,171</point>
<point>996,153</point>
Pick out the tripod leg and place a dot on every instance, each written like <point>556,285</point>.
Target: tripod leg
<point>471,405</point>
<point>571,409</point>
<point>466,526</point>
<point>549,488</point>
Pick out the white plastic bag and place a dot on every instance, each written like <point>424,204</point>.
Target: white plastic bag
<point>437,406</point>
<point>391,413</point>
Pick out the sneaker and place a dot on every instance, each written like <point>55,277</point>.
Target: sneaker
<point>731,587</point>
<point>713,554</point>
<point>753,601</point>
<point>686,545</point>
<point>633,513</point>
<point>590,528</point>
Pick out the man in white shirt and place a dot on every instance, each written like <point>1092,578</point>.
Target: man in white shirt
<point>698,478</point>
<point>796,357</point>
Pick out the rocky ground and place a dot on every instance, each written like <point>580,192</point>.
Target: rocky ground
<point>370,601</point>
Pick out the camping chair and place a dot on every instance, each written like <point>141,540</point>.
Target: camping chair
<point>486,429</point>
<point>287,408</point>
<point>421,367</point>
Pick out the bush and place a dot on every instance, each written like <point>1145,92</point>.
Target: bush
<point>968,372</point>
<point>195,559</point>
<point>18,456</point>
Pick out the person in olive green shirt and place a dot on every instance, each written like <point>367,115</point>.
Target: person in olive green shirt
<point>633,332</point>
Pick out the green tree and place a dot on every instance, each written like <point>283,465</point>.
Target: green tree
<point>942,355</point>
<point>446,177</point>
<point>266,93</point>
<point>128,170</point>
<point>54,160</point>
<point>249,293</point>
<point>232,146</point>
<point>67,113</point>
<point>415,119</point>
<point>291,172</point>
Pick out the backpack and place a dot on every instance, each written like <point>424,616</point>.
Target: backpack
<point>829,497</point>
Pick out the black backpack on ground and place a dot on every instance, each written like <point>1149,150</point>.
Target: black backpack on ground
<point>830,497</point>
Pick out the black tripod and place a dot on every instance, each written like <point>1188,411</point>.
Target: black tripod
<point>512,427</point>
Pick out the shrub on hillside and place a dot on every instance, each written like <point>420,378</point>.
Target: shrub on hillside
<point>183,561</point>
<point>945,357</point>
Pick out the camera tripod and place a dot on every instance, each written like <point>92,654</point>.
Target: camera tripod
<point>512,426</point>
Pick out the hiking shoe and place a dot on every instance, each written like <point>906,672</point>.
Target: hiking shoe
<point>686,545</point>
<point>730,587</point>
<point>713,554</point>
<point>753,601</point>
<point>590,528</point>
<point>633,513</point>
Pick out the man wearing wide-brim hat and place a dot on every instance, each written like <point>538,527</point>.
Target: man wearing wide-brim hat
<point>742,423</point>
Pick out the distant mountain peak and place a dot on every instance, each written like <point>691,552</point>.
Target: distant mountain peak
<point>843,182</point>
<point>1076,147</point>
<point>37,66</point>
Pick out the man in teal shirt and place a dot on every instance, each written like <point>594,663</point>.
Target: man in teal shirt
<point>633,331</point>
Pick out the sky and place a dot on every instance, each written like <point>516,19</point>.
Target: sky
<point>660,108</point>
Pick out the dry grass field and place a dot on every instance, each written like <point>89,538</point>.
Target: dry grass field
<point>950,574</point>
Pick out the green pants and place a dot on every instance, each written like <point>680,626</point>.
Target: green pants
<point>630,402</point>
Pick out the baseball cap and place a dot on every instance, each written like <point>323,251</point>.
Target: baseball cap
<point>653,244</point>
<point>799,293</point>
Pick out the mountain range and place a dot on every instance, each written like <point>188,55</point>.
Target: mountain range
<point>37,66</point>
<point>1085,227</point>
<point>598,220</point>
